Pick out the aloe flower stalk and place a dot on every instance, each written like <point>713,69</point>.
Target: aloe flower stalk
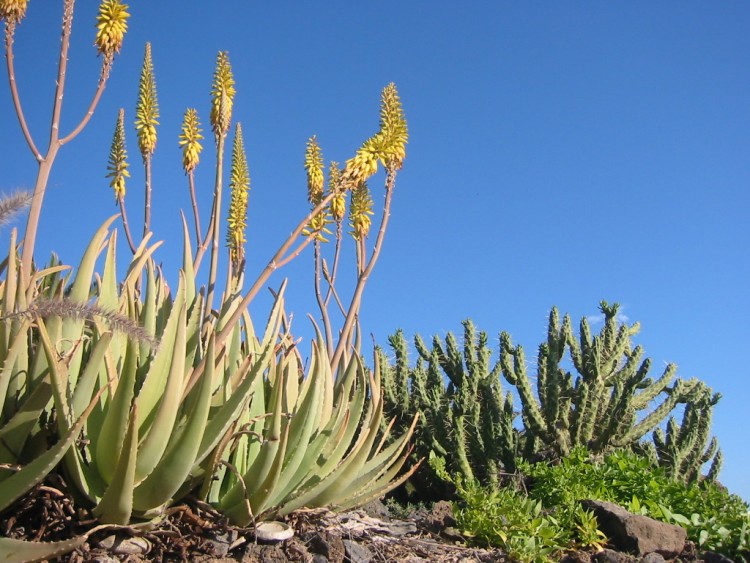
<point>222,100</point>
<point>147,109</point>
<point>118,158</point>
<point>190,138</point>
<point>118,171</point>
<point>222,96</point>
<point>314,169</point>
<point>393,124</point>
<point>146,120</point>
<point>13,11</point>
<point>111,25</point>
<point>338,203</point>
<point>315,183</point>
<point>361,211</point>
<point>387,146</point>
<point>239,185</point>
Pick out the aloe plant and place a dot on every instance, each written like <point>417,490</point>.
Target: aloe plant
<point>210,405</point>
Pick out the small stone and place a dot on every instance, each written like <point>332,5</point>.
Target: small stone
<point>713,557</point>
<point>132,546</point>
<point>357,553</point>
<point>653,557</point>
<point>273,531</point>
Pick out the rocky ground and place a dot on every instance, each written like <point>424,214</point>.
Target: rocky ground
<point>193,531</point>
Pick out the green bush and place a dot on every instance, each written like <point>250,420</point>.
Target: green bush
<point>714,519</point>
<point>518,523</point>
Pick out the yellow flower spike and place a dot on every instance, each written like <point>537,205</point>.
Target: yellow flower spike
<point>360,211</point>
<point>13,11</point>
<point>190,140</point>
<point>147,109</point>
<point>338,203</point>
<point>393,127</point>
<point>318,227</point>
<point>118,158</point>
<point>365,162</point>
<point>239,185</point>
<point>111,25</point>
<point>314,169</point>
<point>222,96</point>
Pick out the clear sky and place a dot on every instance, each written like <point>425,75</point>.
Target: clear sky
<point>559,154</point>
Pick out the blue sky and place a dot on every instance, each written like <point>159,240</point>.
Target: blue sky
<point>559,154</point>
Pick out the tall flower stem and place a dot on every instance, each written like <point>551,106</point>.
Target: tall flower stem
<point>147,204</point>
<point>46,161</point>
<point>216,224</point>
<point>283,256</point>
<point>125,225</point>
<point>196,214</point>
<point>353,310</point>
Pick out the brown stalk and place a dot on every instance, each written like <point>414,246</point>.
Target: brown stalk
<point>356,301</point>
<point>279,259</point>
<point>125,225</point>
<point>215,224</point>
<point>147,205</point>
<point>196,215</point>
<point>46,161</point>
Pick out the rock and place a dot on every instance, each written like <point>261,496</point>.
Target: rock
<point>653,557</point>
<point>713,557</point>
<point>326,545</point>
<point>356,553</point>
<point>635,533</point>
<point>612,556</point>
<point>441,516</point>
<point>273,531</point>
<point>125,546</point>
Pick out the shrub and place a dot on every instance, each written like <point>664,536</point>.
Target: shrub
<point>714,518</point>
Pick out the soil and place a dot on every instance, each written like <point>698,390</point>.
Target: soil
<point>193,531</point>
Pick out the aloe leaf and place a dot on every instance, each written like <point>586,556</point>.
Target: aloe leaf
<point>20,551</point>
<point>155,442</point>
<point>258,498</point>
<point>9,289</point>
<point>116,504</point>
<point>87,380</point>
<point>108,442</point>
<point>72,329</point>
<point>135,269</point>
<point>17,348</point>
<point>220,422</point>
<point>148,314</point>
<point>301,427</point>
<point>15,486</point>
<point>173,469</point>
<point>14,434</point>
<point>157,379</point>
<point>259,471</point>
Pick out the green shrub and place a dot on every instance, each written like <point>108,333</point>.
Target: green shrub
<point>714,519</point>
<point>518,523</point>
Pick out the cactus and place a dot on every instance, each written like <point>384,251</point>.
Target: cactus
<point>464,415</point>
<point>685,448</point>
<point>607,406</point>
